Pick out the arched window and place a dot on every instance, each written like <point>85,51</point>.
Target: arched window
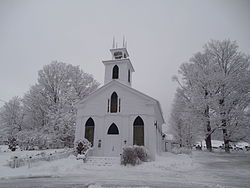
<point>89,130</point>
<point>114,102</point>
<point>128,75</point>
<point>113,129</point>
<point>138,133</point>
<point>115,74</point>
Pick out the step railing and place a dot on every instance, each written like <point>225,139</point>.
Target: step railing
<point>85,155</point>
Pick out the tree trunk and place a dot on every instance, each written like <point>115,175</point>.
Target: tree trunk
<point>180,143</point>
<point>208,126</point>
<point>224,124</point>
<point>225,136</point>
<point>209,143</point>
<point>226,141</point>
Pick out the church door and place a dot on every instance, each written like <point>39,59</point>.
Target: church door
<point>113,147</point>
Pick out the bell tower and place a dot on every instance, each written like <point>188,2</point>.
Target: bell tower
<point>119,67</point>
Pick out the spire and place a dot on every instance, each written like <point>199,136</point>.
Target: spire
<point>115,43</point>
<point>113,46</point>
<point>123,42</point>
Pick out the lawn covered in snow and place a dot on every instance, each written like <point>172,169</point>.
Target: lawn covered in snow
<point>199,169</point>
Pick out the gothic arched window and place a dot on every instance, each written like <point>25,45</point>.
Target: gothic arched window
<point>128,75</point>
<point>138,133</point>
<point>113,129</point>
<point>89,130</point>
<point>115,74</point>
<point>114,102</point>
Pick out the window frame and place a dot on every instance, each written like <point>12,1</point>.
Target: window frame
<point>114,103</point>
<point>115,72</point>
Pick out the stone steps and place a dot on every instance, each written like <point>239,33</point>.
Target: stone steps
<point>102,161</point>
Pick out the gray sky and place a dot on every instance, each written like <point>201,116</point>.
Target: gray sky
<point>160,35</point>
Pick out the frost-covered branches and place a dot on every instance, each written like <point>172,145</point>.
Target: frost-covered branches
<point>11,116</point>
<point>45,117</point>
<point>181,124</point>
<point>216,83</point>
<point>11,121</point>
<point>233,89</point>
<point>49,104</point>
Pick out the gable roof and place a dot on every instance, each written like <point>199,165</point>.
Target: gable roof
<point>114,82</point>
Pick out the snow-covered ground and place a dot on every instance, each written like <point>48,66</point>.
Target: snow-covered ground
<point>199,169</point>
<point>219,144</point>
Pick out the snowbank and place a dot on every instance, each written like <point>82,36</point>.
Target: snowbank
<point>242,144</point>
<point>71,166</point>
<point>4,148</point>
<point>197,168</point>
<point>99,186</point>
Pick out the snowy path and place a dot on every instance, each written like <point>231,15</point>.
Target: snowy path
<point>200,169</point>
<point>82,182</point>
<point>230,170</point>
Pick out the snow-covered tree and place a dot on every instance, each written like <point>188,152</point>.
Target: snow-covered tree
<point>11,120</point>
<point>233,86</point>
<point>181,123</point>
<point>49,105</point>
<point>197,89</point>
<point>35,108</point>
<point>216,84</point>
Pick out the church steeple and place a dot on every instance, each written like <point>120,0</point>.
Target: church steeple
<point>119,67</point>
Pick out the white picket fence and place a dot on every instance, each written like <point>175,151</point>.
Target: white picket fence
<point>16,162</point>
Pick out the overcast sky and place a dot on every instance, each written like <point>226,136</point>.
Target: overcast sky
<point>160,36</point>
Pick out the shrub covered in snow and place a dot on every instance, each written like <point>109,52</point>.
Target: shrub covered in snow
<point>129,156</point>
<point>142,153</point>
<point>12,143</point>
<point>35,140</point>
<point>134,155</point>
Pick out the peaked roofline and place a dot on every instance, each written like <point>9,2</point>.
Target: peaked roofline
<point>77,104</point>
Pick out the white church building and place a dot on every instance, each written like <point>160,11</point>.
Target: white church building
<point>116,115</point>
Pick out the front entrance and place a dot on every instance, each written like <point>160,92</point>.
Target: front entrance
<point>113,144</point>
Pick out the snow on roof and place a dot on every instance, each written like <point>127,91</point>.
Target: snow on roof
<point>169,137</point>
<point>215,143</point>
<point>242,144</point>
<point>218,143</point>
<point>164,128</point>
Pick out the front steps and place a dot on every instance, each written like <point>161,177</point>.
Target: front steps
<point>102,161</point>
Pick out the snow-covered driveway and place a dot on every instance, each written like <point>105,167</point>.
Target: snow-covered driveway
<point>201,169</point>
